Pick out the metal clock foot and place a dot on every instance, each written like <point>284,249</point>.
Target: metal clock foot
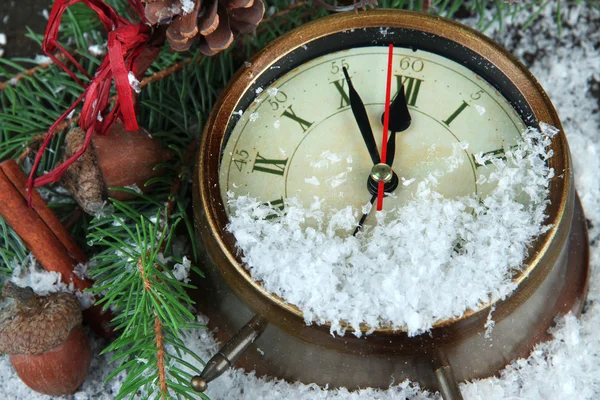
<point>229,353</point>
<point>447,384</point>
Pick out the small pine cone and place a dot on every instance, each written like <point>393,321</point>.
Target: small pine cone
<point>213,23</point>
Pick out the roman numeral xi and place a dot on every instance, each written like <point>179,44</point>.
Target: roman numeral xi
<point>340,85</point>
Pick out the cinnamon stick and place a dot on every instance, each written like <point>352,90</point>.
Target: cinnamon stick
<point>45,236</point>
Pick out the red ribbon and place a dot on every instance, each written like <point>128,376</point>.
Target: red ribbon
<point>126,41</point>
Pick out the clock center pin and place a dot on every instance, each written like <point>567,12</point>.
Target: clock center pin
<point>382,173</point>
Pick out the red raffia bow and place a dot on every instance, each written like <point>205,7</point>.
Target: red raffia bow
<point>126,41</point>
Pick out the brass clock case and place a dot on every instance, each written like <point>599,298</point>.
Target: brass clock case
<point>553,282</point>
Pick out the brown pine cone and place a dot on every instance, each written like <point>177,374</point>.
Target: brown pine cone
<point>213,23</point>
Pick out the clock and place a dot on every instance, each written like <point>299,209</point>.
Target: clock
<point>294,123</point>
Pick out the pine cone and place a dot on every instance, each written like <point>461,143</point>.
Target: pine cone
<point>213,23</point>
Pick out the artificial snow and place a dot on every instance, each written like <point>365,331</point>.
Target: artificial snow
<point>97,49</point>
<point>448,255</point>
<point>326,158</point>
<point>134,187</point>
<point>133,82</point>
<point>568,367</point>
<point>181,271</point>
<point>44,282</point>
<point>42,60</point>
<point>312,180</point>
<point>187,6</point>
<point>407,182</point>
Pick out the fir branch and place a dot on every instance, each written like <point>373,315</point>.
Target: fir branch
<point>12,248</point>
<point>138,279</point>
<point>13,81</point>
<point>334,6</point>
<point>160,350</point>
<point>153,77</point>
<point>160,357</point>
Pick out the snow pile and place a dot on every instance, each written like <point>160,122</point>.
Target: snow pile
<point>564,368</point>
<point>237,385</point>
<point>44,282</point>
<point>568,68</point>
<point>429,260</point>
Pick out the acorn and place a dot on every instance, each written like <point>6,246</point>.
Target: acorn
<point>119,158</point>
<point>44,339</point>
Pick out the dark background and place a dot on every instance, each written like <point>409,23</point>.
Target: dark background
<point>22,14</point>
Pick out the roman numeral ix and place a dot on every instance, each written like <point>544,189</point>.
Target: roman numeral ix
<point>270,166</point>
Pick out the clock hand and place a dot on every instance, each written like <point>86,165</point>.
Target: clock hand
<point>399,121</point>
<point>386,122</point>
<point>362,119</point>
<point>364,216</point>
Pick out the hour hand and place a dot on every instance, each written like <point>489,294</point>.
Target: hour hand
<point>399,121</point>
<point>362,119</point>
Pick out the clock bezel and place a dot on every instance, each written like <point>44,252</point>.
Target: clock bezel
<point>531,102</point>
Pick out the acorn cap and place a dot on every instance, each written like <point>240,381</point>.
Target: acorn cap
<point>32,324</point>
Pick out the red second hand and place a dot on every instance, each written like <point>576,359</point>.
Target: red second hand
<point>386,122</point>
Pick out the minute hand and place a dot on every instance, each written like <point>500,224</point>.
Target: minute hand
<point>362,120</point>
<point>399,121</point>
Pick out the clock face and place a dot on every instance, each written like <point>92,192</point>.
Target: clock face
<point>299,139</point>
<point>284,128</point>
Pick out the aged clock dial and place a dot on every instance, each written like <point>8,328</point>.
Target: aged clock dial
<point>299,138</point>
<point>284,128</point>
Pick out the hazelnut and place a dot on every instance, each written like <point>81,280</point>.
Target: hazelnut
<point>119,158</point>
<point>44,339</point>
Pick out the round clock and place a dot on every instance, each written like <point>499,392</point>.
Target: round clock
<point>303,120</point>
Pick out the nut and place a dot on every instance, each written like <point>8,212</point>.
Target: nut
<point>44,340</point>
<point>119,158</point>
